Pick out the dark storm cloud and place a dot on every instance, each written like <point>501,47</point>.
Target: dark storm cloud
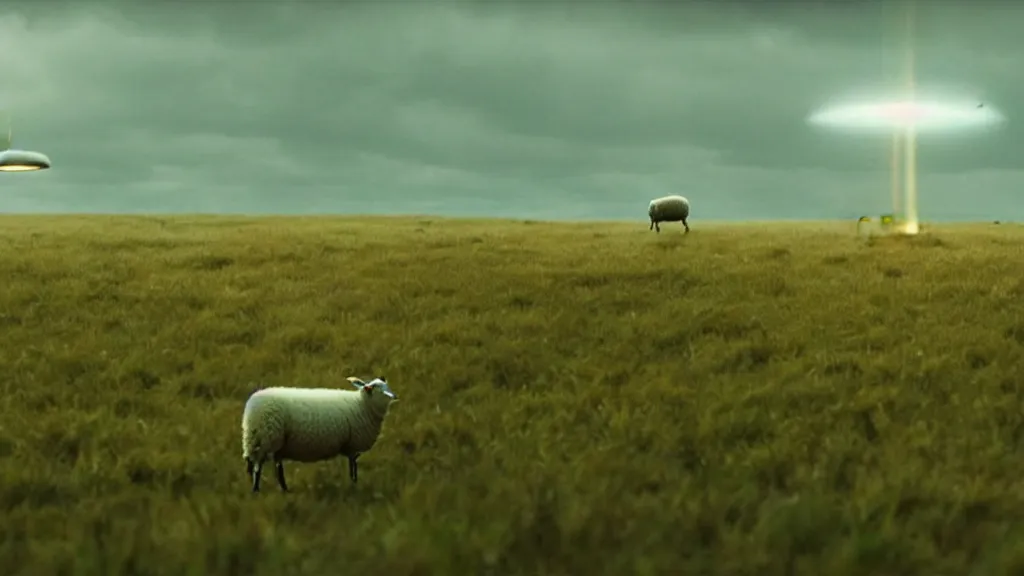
<point>541,109</point>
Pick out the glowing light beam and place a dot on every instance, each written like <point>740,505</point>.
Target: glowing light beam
<point>905,119</point>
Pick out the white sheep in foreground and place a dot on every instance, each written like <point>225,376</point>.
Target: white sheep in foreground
<point>669,209</point>
<point>312,424</point>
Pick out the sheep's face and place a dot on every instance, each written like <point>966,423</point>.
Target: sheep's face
<point>376,392</point>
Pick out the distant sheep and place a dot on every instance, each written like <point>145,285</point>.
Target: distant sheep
<point>669,209</point>
<point>312,424</point>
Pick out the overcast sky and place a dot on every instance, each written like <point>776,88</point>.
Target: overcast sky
<point>581,109</point>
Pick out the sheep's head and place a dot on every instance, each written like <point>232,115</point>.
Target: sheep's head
<point>376,392</point>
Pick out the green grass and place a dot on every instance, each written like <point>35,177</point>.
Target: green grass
<point>577,399</point>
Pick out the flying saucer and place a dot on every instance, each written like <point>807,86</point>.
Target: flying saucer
<point>921,116</point>
<point>23,161</point>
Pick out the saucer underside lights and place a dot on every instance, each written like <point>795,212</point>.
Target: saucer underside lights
<point>919,116</point>
<point>23,161</point>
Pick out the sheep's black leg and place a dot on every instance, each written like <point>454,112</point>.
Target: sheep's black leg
<point>353,467</point>
<point>687,226</point>
<point>256,476</point>
<point>657,227</point>
<point>249,467</point>
<point>280,475</point>
<point>651,227</point>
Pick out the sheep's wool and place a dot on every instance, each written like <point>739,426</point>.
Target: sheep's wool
<point>308,424</point>
<point>669,208</point>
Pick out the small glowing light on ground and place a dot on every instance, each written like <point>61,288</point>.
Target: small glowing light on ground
<point>904,120</point>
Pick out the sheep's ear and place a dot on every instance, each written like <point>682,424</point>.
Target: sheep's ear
<point>358,383</point>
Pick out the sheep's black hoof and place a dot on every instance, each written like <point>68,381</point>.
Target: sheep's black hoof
<point>280,477</point>
<point>353,468</point>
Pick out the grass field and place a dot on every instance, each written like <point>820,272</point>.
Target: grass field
<point>577,399</point>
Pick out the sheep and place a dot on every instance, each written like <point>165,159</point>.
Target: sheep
<point>312,424</point>
<point>669,209</point>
